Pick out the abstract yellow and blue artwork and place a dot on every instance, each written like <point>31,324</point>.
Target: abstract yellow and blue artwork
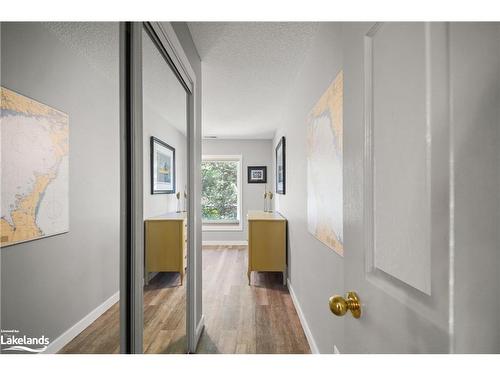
<point>324,167</point>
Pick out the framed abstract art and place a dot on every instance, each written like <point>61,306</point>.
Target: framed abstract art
<point>162,167</point>
<point>281,167</point>
<point>325,167</point>
<point>257,175</point>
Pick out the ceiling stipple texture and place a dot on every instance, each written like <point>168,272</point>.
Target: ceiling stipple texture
<point>98,44</point>
<point>247,72</point>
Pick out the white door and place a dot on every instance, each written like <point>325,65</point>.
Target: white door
<point>396,189</point>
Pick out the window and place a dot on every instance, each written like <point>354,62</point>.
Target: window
<point>221,192</point>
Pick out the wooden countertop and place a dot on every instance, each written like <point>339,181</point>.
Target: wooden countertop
<point>261,215</point>
<point>169,216</point>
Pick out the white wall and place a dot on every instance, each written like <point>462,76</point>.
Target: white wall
<point>475,79</point>
<point>254,153</point>
<point>315,271</point>
<point>50,284</point>
<point>156,125</point>
<point>164,117</point>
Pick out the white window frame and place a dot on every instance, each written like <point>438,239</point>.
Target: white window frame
<point>223,225</point>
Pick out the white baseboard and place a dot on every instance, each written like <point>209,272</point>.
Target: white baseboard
<point>74,331</point>
<point>224,243</point>
<point>303,321</point>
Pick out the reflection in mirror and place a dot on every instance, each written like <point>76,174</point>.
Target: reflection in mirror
<point>165,202</point>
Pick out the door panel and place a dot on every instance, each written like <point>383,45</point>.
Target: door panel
<point>396,57</point>
<point>396,145</point>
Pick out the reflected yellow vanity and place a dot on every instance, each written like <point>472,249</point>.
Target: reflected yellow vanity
<point>165,239</point>
<point>266,243</point>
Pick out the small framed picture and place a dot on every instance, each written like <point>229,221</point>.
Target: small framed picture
<point>257,175</point>
<point>162,167</point>
<point>280,167</point>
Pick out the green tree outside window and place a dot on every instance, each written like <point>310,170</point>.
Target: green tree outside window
<point>219,196</point>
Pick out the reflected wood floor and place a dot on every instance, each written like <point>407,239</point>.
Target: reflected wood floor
<point>164,322</point>
<point>238,318</point>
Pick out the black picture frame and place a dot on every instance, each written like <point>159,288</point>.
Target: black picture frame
<point>156,188</point>
<point>280,154</point>
<point>252,180</point>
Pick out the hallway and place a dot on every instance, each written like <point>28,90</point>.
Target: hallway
<point>250,187</point>
<point>238,318</point>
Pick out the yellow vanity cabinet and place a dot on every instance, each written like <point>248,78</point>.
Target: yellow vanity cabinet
<point>266,243</point>
<point>165,238</point>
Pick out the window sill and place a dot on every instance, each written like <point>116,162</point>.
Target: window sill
<point>222,227</point>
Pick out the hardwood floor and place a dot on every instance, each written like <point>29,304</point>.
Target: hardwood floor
<point>101,337</point>
<point>238,318</point>
<point>260,318</point>
<point>164,322</point>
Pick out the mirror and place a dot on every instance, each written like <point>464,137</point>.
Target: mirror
<point>165,202</point>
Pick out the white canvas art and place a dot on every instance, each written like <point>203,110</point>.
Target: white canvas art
<point>324,168</point>
<point>35,148</point>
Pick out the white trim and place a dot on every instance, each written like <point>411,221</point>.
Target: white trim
<point>222,157</point>
<point>74,331</point>
<point>225,243</point>
<point>222,227</point>
<point>225,222</point>
<point>303,321</point>
<point>225,227</point>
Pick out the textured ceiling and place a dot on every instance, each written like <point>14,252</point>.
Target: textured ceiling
<point>247,71</point>
<point>98,44</point>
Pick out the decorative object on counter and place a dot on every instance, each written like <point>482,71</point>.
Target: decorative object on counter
<point>162,167</point>
<point>178,196</point>
<point>268,196</point>
<point>280,167</point>
<point>257,175</point>
<point>270,203</point>
<point>265,198</point>
<point>185,199</point>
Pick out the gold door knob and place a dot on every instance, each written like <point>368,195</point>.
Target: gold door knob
<point>339,305</point>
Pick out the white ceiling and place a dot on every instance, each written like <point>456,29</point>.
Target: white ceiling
<point>98,44</point>
<point>247,71</point>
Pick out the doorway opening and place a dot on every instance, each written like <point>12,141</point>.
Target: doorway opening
<point>247,305</point>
